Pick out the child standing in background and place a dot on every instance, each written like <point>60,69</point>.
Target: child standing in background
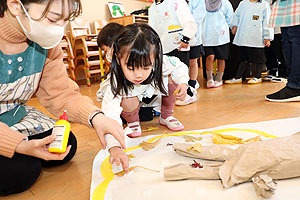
<point>277,69</point>
<point>252,33</point>
<point>176,27</point>
<point>140,70</point>
<point>216,38</point>
<point>197,8</point>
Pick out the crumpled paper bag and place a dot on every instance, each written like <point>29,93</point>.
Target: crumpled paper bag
<point>264,186</point>
<point>210,171</point>
<point>215,152</point>
<point>277,158</point>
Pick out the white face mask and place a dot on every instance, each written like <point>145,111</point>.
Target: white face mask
<point>46,36</point>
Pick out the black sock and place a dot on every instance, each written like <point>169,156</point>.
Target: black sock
<point>192,83</point>
<point>189,92</point>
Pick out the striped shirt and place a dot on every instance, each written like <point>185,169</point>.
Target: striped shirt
<point>285,13</point>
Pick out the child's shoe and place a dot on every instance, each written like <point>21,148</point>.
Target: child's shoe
<point>278,80</point>
<point>268,77</point>
<point>254,81</point>
<point>197,85</point>
<point>172,123</point>
<point>136,130</point>
<point>233,81</point>
<point>218,84</point>
<point>188,99</point>
<point>210,84</point>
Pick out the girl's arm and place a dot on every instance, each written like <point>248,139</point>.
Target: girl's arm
<point>111,106</point>
<point>268,32</point>
<point>185,19</point>
<point>177,69</point>
<point>229,12</point>
<point>198,10</point>
<point>151,21</point>
<point>236,16</point>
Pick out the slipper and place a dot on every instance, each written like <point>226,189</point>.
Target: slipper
<point>172,123</point>
<point>136,130</point>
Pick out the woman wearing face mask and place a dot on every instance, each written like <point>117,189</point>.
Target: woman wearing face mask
<point>31,62</point>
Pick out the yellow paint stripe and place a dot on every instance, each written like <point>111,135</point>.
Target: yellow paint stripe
<point>108,175</point>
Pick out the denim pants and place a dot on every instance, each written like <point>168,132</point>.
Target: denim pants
<point>291,50</point>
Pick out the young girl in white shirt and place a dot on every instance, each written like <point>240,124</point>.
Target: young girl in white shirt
<point>139,70</point>
<point>176,27</point>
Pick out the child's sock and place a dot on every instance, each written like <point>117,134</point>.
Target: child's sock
<point>209,75</point>
<point>192,83</point>
<point>219,76</point>
<point>167,102</point>
<point>132,117</point>
<point>258,70</point>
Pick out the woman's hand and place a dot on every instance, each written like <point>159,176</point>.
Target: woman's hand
<point>39,148</point>
<point>119,157</point>
<point>181,91</point>
<point>104,125</point>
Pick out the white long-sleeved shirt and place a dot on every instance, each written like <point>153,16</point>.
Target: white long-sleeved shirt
<point>216,25</point>
<point>251,19</point>
<point>198,11</point>
<point>172,19</point>
<point>111,106</point>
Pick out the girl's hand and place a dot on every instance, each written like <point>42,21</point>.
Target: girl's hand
<point>267,43</point>
<point>118,156</point>
<point>234,30</point>
<point>38,148</point>
<point>182,45</point>
<point>104,125</point>
<point>181,91</point>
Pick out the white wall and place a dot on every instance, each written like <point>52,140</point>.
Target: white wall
<point>98,10</point>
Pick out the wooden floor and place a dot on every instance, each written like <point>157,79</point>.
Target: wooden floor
<point>226,105</point>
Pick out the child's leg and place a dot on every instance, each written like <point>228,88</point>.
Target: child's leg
<point>209,70</point>
<point>243,66</point>
<point>130,113</point>
<point>257,69</point>
<point>193,72</point>
<point>221,68</point>
<point>209,67</point>
<point>191,91</point>
<point>219,77</point>
<point>167,104</point>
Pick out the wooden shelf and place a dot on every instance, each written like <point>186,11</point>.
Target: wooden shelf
<point>130,19</point>
<point>149,1</point>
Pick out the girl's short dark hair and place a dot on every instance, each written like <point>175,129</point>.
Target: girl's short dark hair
<point>141,41</point>
<point>74,5</point>
<point>108,34</point>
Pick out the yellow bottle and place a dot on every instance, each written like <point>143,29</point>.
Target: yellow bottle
<point>62,130</point>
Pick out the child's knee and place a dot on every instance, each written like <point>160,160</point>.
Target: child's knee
<point>210,58</point>
<point>130,104</point>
